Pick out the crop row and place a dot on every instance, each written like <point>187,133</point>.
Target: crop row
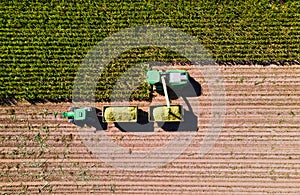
<point>36,84</point>
<point>42,45</point>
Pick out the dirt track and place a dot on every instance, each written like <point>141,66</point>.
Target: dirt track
<point>257,152</point>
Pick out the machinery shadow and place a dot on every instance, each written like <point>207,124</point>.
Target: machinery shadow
<point>142,124</point>
<point>93,120</point>
<point>189,123</point>
<point>192,89</point>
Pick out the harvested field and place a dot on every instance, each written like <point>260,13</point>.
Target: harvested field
<point>257,151</point>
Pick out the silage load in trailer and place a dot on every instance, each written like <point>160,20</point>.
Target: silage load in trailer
<point>163,113</point>
<point>120,114</point>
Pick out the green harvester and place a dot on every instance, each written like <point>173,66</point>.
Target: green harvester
<point>176,79</point>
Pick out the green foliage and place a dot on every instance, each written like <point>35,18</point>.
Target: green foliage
<point>40,140</point>
<point>44,42</point>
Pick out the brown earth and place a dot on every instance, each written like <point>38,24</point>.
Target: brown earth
<point>257,151</point>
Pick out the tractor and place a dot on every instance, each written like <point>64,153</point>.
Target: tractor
<point>79,114</point>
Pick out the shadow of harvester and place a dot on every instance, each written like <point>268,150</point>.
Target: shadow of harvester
<point>189,123</point>
<point>192,89</point>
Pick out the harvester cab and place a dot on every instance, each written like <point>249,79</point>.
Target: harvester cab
<point>173,78</point>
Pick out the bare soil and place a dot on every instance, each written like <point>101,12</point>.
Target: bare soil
<point>257,151</point>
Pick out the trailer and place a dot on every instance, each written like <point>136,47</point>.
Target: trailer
<point>119,114</point>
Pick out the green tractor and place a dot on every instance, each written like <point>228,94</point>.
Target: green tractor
<point>79,114</point>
